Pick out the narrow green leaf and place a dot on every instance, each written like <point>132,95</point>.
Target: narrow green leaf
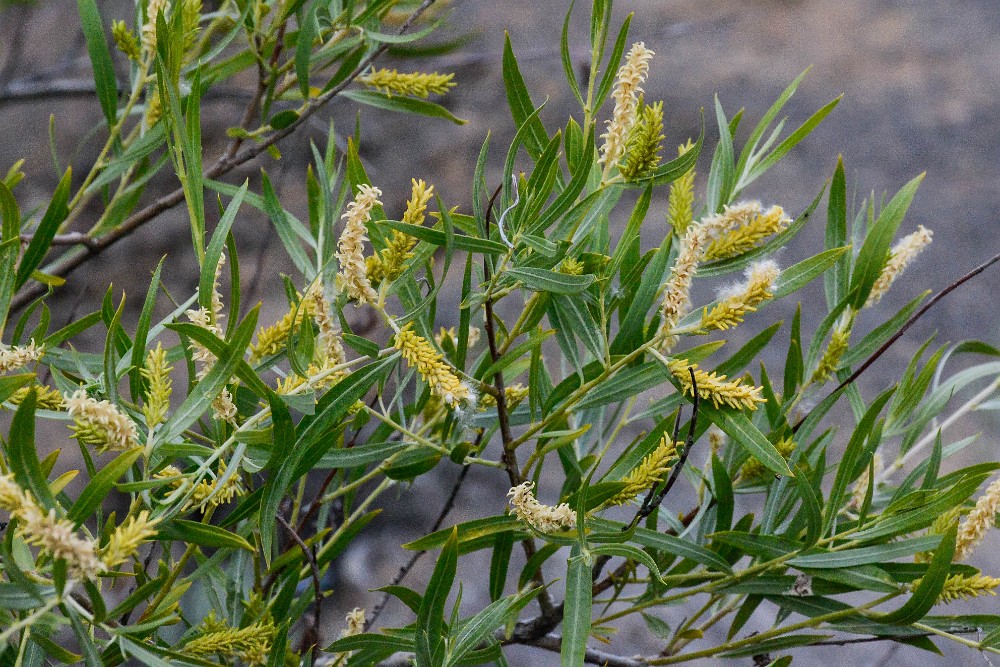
<point>543,280</point>
<point>100,486</point>
<point>41,240</point>
<point>576,611</point>
<point>403,104</point>
<point>742,431</point>
<point>519,101</point>
<point>206,535</point>
<point>100,59</point>
<point>430,637</point>
<point>926,594</point>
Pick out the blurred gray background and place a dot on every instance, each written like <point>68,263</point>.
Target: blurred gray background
<point>920,81</point>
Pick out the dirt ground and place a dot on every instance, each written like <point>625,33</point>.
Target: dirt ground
<point>920,81</point>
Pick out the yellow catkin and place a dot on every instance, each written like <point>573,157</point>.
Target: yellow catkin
<point>100,423</point>
<point>626,94</point>
<point>715,388</point>
<point>125,40</point>
<point>127,538</point>
<point>330,350</point>
<point>652,470</point>
<point>153,9</point>
<point>271,340</point>
<point>19,356</point>
<point>157,374</point>
<point>390,263</point>
<point>250,645</point>
<point>904,252</point>
<point>355,620</point>
<point>223,405</point>
<point>739,300</point>
<point>965,587</point>
<point>571,267</point>
<point>53,536</point>
<point>830,361</point>
<point>979,521</point>
<point>191,19</point>
<point>543,518</point>
<point>642,152</point>
<point>353,278</point>
<point>208,493</point>
<point>750,227</point>
<point>414,84</point>
<point>46,397</point>
<point>680,202</point>
<point>753,468</point>
<point>942,524</point>
<point>438,375</point>
<point>513,394</point>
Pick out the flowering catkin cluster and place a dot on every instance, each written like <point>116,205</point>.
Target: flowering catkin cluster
<point>965,587</point>
<point>390,263</point>
<point>715,388</point>
<point>251,645</point>
<point>975,526</point>
<point>353,277</point>
<point>738,300</point>
<point>438,375</point>
<point>100,423</point>
<point>543,518</point>
<point>18,356</point>
<point>904,252</point>
<point>157,373</point>
<point>223,405</point>
<point>626,95</point>
<point>55,537</point>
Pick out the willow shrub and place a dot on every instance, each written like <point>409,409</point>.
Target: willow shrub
<point>228,463</point>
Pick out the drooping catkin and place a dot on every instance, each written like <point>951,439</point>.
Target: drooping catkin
<point>353,277</point>
<point>680,202</point>
<point>543,518</point>
<point>100,423</point>
<point>979,521</point>
<point>626,94</point>
<point>739,300</point>
<point>715,388</point>
<point>438,375</point>
<point>153,9</point>
<point>330,350</point>
<point>55,537</point>
<point>901,255</point>
<point>415,84</point>
<point>652,470</point>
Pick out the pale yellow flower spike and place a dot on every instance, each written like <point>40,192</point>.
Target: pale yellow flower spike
<point>153,9</point>
<point>127,538</point>
<point>715,388</point>
<point>830,361</point>
<point>272,339</point>
<point>353,277</point>
<point>904,252</point>
<point>55,537</point>
<point>972,531</point>
<point>752,228</point>
<point>100,423</point>
<point>626,95</point>
<point>680,202</point>
<point>19,356</point>
<point>157,374</point>
<point>543,518</point>
<point>329,334</point>
<point>46,398</point>
<point>438,375</point>
<point>251,644</point>
<point>417,84</point>
<point>743,299</point>
<point>651,471</point>
<point>965,587</point>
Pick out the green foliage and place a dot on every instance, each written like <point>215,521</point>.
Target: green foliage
<point>223,515</point>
